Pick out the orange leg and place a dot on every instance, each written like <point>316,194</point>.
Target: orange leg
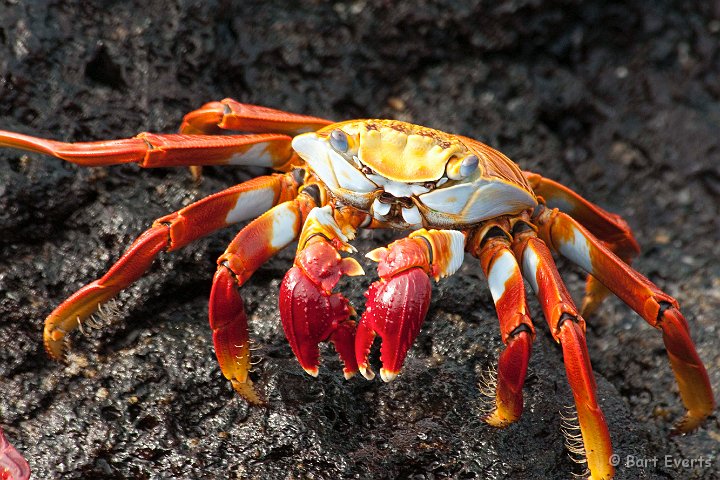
<point>227,114</point>
<point>195,145</point>
<point>12,465</point>
<point>236,204</point>
<point>607,227</point>
<point>150,150</point>
<point>568,329</point>
<point>660,310</point>
<point>516,328</point>
<point>398,302</point>
<point>254,245</point>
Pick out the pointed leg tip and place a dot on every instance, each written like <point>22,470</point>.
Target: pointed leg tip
<point>388,375</point>
<point>366,372</point>
<point>312,371</point>
<point>495,419</point>
<point>247,391</point>
<point>687,424</point>
<point>349,374</point>
<point>56,350</point>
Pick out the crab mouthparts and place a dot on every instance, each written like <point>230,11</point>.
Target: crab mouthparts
<point>386,203</point>
<point>388,198</point>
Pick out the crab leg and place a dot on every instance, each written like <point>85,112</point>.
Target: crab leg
<point>568,329</point>
<point>195,145</point>
<point>659,309</point>
<point>227,114</point>
<point>236,204</point>
<point>310,312</point>
<point>254,245</point>
<point>398,302</point>
<point>12,465</point>
<point>150,150</point>
<point>608,227</point>
<point>516,328</point>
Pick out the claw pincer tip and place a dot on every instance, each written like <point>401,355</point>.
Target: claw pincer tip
<point>311,313</point>
<point>395,309</point>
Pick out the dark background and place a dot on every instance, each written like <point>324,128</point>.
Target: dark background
<point>619,100</point>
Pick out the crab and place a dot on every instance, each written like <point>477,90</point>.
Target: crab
<point>12,464</point>
<point>454,194</point>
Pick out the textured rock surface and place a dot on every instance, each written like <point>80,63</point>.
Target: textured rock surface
<point>618,100</point>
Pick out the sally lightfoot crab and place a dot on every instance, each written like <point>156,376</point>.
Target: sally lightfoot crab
<point>453,193</point>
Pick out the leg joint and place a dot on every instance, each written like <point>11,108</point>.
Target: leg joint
<point>494,232</point>
<point>429,247</point>
<point>567,316</point>
<point>226,264</point>
<point>313,191</point>
<point>523,327</point>
<point>663,307</point>
<point>321,235</point>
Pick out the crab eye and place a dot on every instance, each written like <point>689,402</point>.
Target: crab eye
<point>459,168</point>
<point>339,140</point>
<point>468,165</point>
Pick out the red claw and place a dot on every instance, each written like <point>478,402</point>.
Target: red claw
<point>12,465</point>
<point>311,313</point>
<point>395,310</point>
